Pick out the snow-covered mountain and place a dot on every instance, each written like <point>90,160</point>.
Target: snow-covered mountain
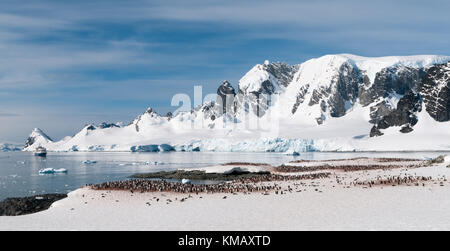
<point>332,103</point>
<point>37,138</point>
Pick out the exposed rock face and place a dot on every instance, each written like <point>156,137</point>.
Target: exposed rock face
<point>90,127</point>
<point>28,205</point>
<point>259,84</point>
<point>434,87</point>
<point>107,125</point>
<point>337,84</point>
<point>435,90</point>
<point>398,79</point>
<point>282,72</point>
<point>404,115</point>
<point>300,97</point>
<point>346,90</point>
<point>391,81</point>
<point>379,110</point>
<point>225,97</point>
<point>335,97</point>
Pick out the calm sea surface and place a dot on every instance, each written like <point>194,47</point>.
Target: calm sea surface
<point>19,171</point>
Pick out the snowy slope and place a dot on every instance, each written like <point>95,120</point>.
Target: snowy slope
<point>319,77</point>
<point>326,104</point>
<point>37,138</point>
<point>374,65</point>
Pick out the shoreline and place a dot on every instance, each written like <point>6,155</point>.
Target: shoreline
<point>398,198</point>
<point>389,208</point>
<point>258,152</point>
<point>16,206</point>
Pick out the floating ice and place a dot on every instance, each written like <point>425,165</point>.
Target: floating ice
<point>89,162</point>
<point>52,171</point>
<point>186,181</point>
<point>292,153</point>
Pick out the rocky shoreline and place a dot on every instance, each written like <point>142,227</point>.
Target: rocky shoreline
<point>28,205</point>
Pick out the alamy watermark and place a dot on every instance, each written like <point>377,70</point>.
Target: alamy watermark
<point>252,112</point>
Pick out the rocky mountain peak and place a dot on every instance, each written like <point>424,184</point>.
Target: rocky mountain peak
<point>258,85</point>
<point>225,98</point>
<point>226,89</point>
<point>36,138</point>
<point>151,111</point>
<point>149,117</point>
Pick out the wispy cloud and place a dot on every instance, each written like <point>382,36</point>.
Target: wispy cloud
<point>8,114</point>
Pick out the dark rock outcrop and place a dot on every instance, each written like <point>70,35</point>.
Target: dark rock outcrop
<point>404,115</point>
<point>105,125</point>
<point>28,205</point>
<point>300,97</point>
<point>435,90</point>
<point>283,72</point>
<point>90,127</point>
<point>225,98</point>
<point>337,97</point>
<point>379,110</point>
<point>347,88</point>
<point>394,80</point>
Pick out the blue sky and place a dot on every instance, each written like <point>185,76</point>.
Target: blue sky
<point>64,64</point>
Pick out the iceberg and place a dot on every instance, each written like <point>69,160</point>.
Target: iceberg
<point>292,153</point>
<point>186,181</point>
<point>90,162</point>
<point>52,171</point>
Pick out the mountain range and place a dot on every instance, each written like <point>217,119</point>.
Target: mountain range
<point>332,103</point>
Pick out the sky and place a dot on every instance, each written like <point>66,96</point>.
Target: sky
<point>64,64</point>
